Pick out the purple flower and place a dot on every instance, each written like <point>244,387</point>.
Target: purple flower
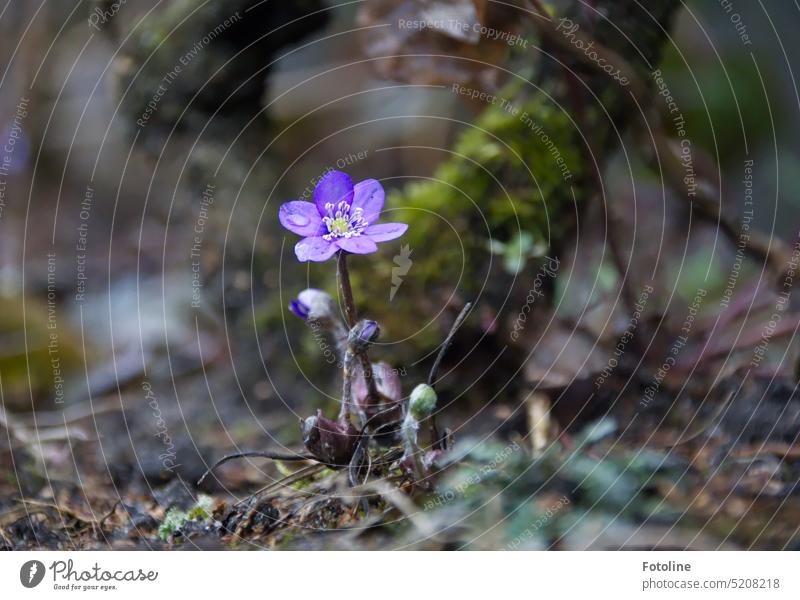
<point>342,217</point>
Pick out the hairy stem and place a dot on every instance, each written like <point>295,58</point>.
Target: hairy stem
<point>346,293</point>
<point>346,290</point>
<point>369,377</point>
<point>351,316</point>
<point>348,372</point>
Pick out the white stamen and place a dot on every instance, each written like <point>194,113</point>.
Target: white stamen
<point>345,222</point>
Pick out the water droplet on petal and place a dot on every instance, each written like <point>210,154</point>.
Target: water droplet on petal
<point>299,220</point>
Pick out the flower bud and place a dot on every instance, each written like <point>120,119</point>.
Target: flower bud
<point>363,334</point>
<point>299,309</point>
<point>313,305</point>
<point>422,401</point>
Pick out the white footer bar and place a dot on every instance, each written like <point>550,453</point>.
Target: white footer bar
<point>401,575</point>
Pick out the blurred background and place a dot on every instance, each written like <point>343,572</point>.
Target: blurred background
<point>144,278</point>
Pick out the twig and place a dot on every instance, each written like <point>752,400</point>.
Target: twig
<point>589,152</point>
<point>446,344</point>
<point>61,510</point>
<point>107,516</point>
<point>77,412</point>
<point>438,441</point>
<point>539,423</point>
<point>770,249</point>
<point>282,456</point>
<point>288,480</point>
<point>769,449</point>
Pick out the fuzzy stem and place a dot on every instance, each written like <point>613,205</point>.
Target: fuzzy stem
<point>369,377</point>
<point>347,386</point>
<point>346,291</point>
<point>412,449</point>
<point>351,316</point>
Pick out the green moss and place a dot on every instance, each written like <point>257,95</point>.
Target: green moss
<point>516,167</point>
<point>202,509</point>
<point>173,521</point>
<point>512,173</point>
<point>176,519</point>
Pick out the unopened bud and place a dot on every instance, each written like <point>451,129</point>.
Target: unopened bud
<point>313,304</point>
<point>422,401</point>
<point>363,334</point>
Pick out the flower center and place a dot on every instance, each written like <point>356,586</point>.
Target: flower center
<point>341,221</point>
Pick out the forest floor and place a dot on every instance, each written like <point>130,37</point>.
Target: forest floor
<point>607,486</point>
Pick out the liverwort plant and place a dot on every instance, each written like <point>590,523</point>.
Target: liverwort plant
<point>342,220</point>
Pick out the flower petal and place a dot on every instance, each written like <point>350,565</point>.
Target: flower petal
<point>369,195</point>
<point>299,309</point>
<point>334,187</point>
<point>383,232</point>
<point>388,380</point>
<point>360,385</point>
<point>300,217</point>
<point>316,249</point>
<point>357,245</point>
